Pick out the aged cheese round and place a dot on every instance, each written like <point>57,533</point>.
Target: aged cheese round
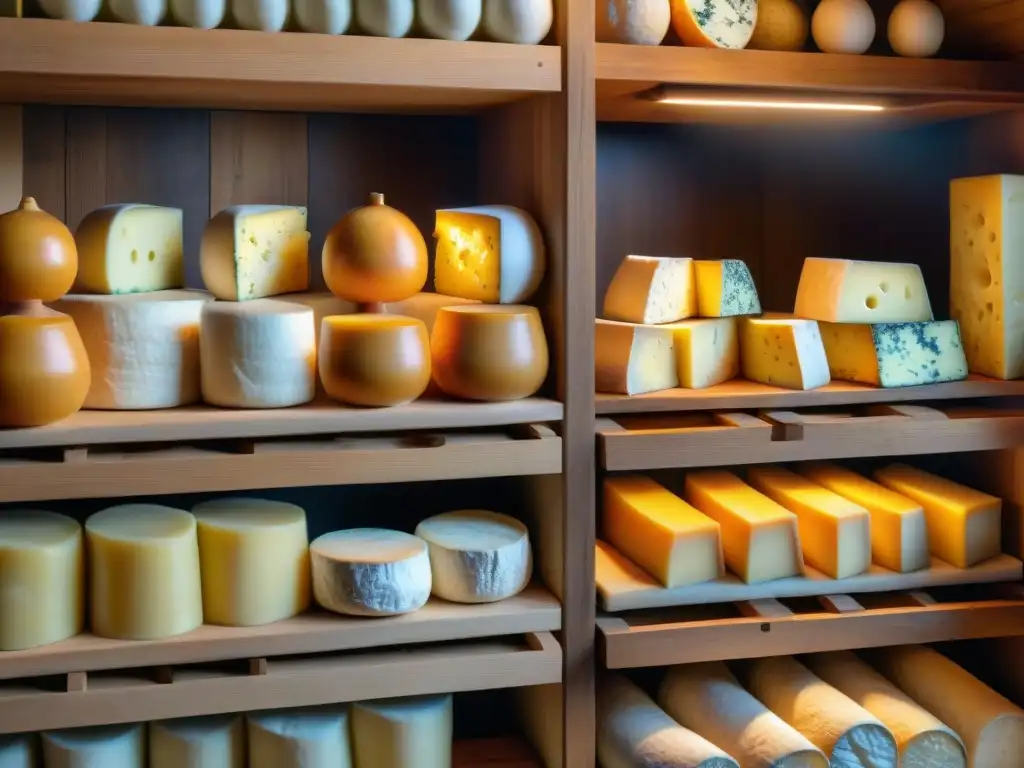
<point>260,15</point>
<point>916,28</point>
<point>143,572</point>
<point>385,18</point>
<point>19,751</point>
<point>38,257</point>
<point>108,746</point>
<point>477,556</point>
<point>325,17</point>
<point>843,26</point>
<point>71,10</point>
<point>198,742</point>
<point>413,732</point>
<point>524,22</point>
<point>370,572</point>
<point>781,26</point>
<point>146,13</point>
<point>450,19</point>
<point>714,23</point>
<point>300,738</point>
<point>200,14</point>
<point>632,22</point>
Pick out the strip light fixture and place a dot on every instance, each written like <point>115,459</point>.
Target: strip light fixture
<point>718,101</point>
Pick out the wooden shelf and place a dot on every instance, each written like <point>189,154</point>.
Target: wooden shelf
<point>45,61</point>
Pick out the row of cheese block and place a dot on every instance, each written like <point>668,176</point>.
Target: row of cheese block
<point>156,572</point>
<point>834,519</point>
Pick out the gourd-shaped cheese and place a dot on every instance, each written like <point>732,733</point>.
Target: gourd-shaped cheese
<point>714,23</point>
<point>916,28</point>
<point>147,13</point>
<point>632,22</point>
<point>38,257</point>
<point>198,742</point>
<point>540,710</point>
<point>425,306</point>
<point>109,746</point>
<point>414,732</point>
<point>523,22</point>
<point>325,17</point>
<point>843,26</point>
<point>725,289</point>
<point>324,304</point>
<point>707,351</point>
<point>783,352</point>
<point>782,25</point>
<point>200,14</point>
<point>633,359</point>
<point>260,16</point>
<point>844,291</point>
<point>450,19</point>
<point>385,18</point>
<point>71,10</point>
<point>650,290</point>
<point>300,738</point>
<point>18,751</point>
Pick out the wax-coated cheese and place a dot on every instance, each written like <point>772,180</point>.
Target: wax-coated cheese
<point>42,579</point>
<point>783,352</point>
<point>425,306</point>
<point>760,539</point>
<point>255,251</point>
<point>130,249</point>
<point>651,289</point>
<point>964,525</point>
<point>707,351</point>
<point>845,291</point>
<point>300,738</point>
<point>660,532</point>
<point>714,23</point>
<point>198,742</point>
<point>143,572</point>
<point>323,304</point>
<point>633,359</point>
<point>540,710</point>
<point>370,572</point>
<point>19,751</point>
<point>110,746</point>
<point>725,289</point>
<point>414,732</point>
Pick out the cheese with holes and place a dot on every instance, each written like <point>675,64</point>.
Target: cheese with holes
<point>707,699</point>
<point>425,306</point>
<point>964,525</point>
<point>370,572</point>
<point>255,251</point>
<point>707,351</point>
<point>130,249</point>
<point>198,742</point>
<point>899,534</point>
<point>783,352</point>
<point>660,532</point>
<point>42,579</point>
<point>633,359</point>
<point>760,539</point>
<point>835,533</point>
<point>18,751</point>
<point>300,738</point>
<point>109,746</point>
<point>413,732</point>
<point>986,277</point>
<point>714,23</point>
<point>651,289</point>
<point>540,713</point>
<point>845,291</point>
<point>143,572</point>
<point>725,289</point>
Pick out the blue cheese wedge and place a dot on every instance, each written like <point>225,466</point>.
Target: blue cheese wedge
<point>725,289</point>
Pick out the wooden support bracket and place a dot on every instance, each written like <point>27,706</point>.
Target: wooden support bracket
<point>766,608</point>
<point>77,682</point>
<point>258,666</point>
<point>840,604</point>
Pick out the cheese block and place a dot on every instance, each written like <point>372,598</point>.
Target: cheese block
<point>130,249</point>
<point>540,710</point>
<point>986,272</point>
<point>143,349</point>
<point>964,525</point>
<point>634,732</point>
<point>760,539</point>
<point>783,352</point>
<point>725,289</point>
<point>257,354</point>
<point>255,251</point>
<point>143,572</point>
<point>707,351</point>
<point>707,699</point>
<point>493,253</point>
<point>633,359</point>
<point>835,533</point>
<point>847,733</point>
<point>714,23</point>
<point>42,570</point>
<point>477,556</point>
<point>413,732</point>
<point>651,289</point>
<point>660,532</point>
<point>324,304</point>
<point>425,306</point>
<point>19,751</point>
<point>254,560</point>
<point>845,291</point>
<point>899,535</point>
<point>300,738</point>
<point>110,746</point>
<point>923,740</point>
<point>370,572</point>
<point>198,742</point>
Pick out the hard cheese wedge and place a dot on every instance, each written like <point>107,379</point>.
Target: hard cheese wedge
<point>783,352</point>
<point>633,359</point>
<point>414,732</point>
<point>300,737</point>
<point>198,742</point>
<point>725,289</point>
<point>845,291</point>
<point>707,351</point>
<point>649,289</point>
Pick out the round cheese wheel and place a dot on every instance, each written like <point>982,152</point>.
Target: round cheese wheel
<point>916,28</point>
<point>714,23</point>
<point>146,13</point>
<point>385,18</point>
<point>300,738</point>
<point>450,19</point>
<point>413,732</point>
<point>523,22</point>
<point>325,17</point>
<point>843,26</point>
<point>781,26</point>
<point>198,742</point>
<point>260,15</point>
<point>18,751</point>
<point>71,10</point>
<point>632,22</point>
<point>324,304</point>
<point>38,257</point>
<point>143,572</point>
<point>486,352</point>
<point>123,746</point>
<point>199,14</point>
<point>370,572</point>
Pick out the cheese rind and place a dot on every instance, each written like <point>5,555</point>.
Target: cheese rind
<point>198,742</point>
<point>846,291</point>
<point>300,738</point>
<point>18,751</point>
<point>725,288</point>
<point>714,23</point>
<point>413,732</point>
<point>633,359</point>
<point>783,352</point>
<point>98,747</point>
<point>651,289</point>
<point>707,351</point>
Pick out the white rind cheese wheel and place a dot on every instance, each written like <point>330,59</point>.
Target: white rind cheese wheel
<point>414,732</point>
<point>199,14</point>
<point>523,22</point>
<point>632,22</point>
<point>71,10</point>
<point>111,746</point>
<point>18,751</point>
<point>198,742</point>
<point>300,738</point>
<point>477,556</point>
<point>385,18</point>
<point>370,572</point>
<point>323,17</point>
<point>540,712</point>
<point>450,19</point>
<point>147,13</point>
<point>261,16</point>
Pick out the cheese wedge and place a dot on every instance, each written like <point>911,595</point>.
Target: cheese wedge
<point>783,352</point>
<point>651,289</point>
<point>725,289</point>
<point>707,351</point>
<point>633,359</point>
<point>845,291</point>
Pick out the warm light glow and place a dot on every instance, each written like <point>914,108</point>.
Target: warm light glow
<point>807,106</point>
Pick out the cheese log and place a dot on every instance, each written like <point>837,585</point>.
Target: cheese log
<point>130,249</point>
<point>783,352</point>
<point>198,742</point>
<point>143,349</point>
<point>964,525</point>
<point>760,539</point>
<point>110,746</point>
<point>899,534</point>
<point>633,359</point>
<point>660,532</point>
<point>714,23</point>
<point>707,351</point>
<point>651,289</point>
<point>986,276</point>
<point>42,570</point>
<point>725,289</point>
<point>707,699</point>
<point>255,251</point>
<point>493,253</point>
<point>845,291</point>
<point>425,306</point>
<point>540,710</point>
<point>922,740</point>
<point>300,738</point>
<point>254,560</point>
<point>323,304</point>
<point>18,751</point>
<point>370,572</point>
<point>477,556</point>
<point>143,572</point>
<point>835,533</point>
<point>414,732</point>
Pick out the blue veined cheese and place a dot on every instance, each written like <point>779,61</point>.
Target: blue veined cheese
<point>725,289</point>
<point>714,23</point>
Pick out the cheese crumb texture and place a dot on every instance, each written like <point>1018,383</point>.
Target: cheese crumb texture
<point>198,742</point>
<point>413,732</point>
<point>651,289</point>
<point>108,746</point>
<point>845,291</point>
<point>707,351</point>
<point>633,359</point>
<point>783,352</point>
<point>725,289</point>
<point>300,738</point>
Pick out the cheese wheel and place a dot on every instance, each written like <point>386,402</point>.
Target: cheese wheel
<point>523,22</point>
<point>916,28</point>
<point>323,17</point>
<point>370,572</point>
<point>18,751</point>
<point>199,14</point>
<point>263,16</point>
<point>477,556</point>
<point>254,561</point>
<point>714,23</point>
<point>110,746</point>
<point>540,710</point>
<point>385,18</point>
<point>300,738</point>
<point>450,19</point>
<point>198,742</point>
<point>414,732</point>
<point>143,572</point>
<point>71,10</point>
<point>324,304</point>
<point>146,13</point>
<point>632,22</point>
<point>843,26</point>
<point>257,354</point>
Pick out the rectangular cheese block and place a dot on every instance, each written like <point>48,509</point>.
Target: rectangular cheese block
<point>986,279</point>
<point>707,351</point>
<point>964,525</point>
<point>725,289</point>
<point>660,532</point>
<point>845,291</point>
<point>633,359</point>
<point>783,352</point>
<point>760,540</point>
<point>651,289</point>
<point>835,533</point>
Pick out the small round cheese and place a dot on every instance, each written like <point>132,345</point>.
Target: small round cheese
<point>477,556</point>
<point>323,17</point>
<point>200,14</point>
<point>18,751</point>
<point>523,22</point>
<point>198,742</point>
<point>71,10</point>
<point>632,22</point>
<point>146,13</point>
<point>300,738</point>
<point>109,746</point>
<point>143,572</point>
<point>450,19</point>
<point>370,572</point>
<point>385,18</point>
<point>260,15</point>
<point>843,26</point>
<point>413,732</point>
<point>916,28</point>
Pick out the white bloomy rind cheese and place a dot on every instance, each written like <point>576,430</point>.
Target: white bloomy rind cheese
<point>198,742</point>
<point>42,579</point>
<point>370,572</point>
<point>725,289</point>
<point>707,351</point>
<point>633,359</point>
<point>111,746</point>
<point>783,352</point>
<point>477,556</point>
<point>18,751</point>
<point>520,22</point>
<point>632,22</point>
<point>143,348</point>
<point>715,23</point>
<point>300,738</point>
<point>651,289</point>
<point>414,732</point>
<point>257,354</point>
<point>845,291</point>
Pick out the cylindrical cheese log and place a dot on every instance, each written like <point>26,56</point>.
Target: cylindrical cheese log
<point>414,732</point>
<point>477,556</point>
<point>143,572</point>
<point>19,751</point>
<point>110,746</point>
<point>300,738</point>
<point>198,742</point>
<point>370,572</point>
<point>42,579</point>
<point>254,560</point>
